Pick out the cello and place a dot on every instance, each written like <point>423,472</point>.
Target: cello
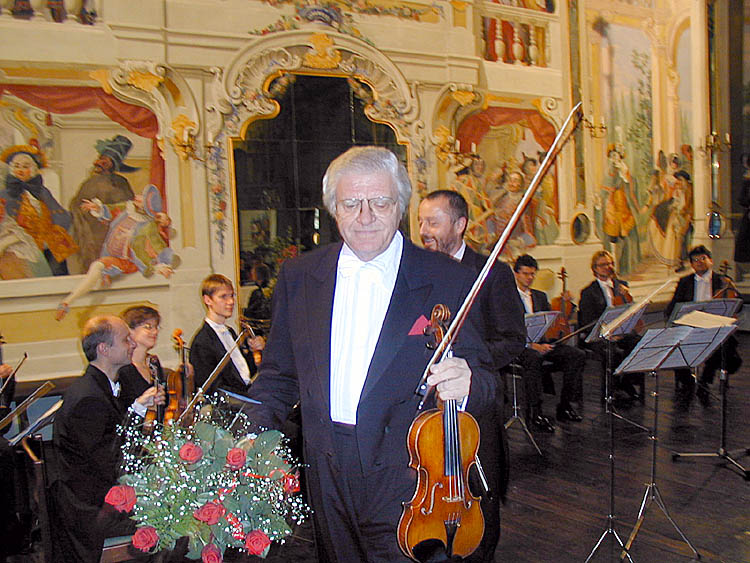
<point>423,521</point>
<point>728,290</point>
<point>563,303</point>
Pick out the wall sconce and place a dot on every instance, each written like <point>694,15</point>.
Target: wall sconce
<point>449,150</point>
<point>714,143</point>
<point>596,131</point>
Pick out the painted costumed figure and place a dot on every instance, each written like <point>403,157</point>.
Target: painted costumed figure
<point>31,211</point>
<point>137,240</point>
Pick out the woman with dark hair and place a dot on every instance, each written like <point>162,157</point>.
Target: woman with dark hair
<point>144,369</point>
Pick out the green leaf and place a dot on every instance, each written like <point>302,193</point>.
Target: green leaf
<point>232,504</point>
<point>267,442</point>
<point>204,431</point>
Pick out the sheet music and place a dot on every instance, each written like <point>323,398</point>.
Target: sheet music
<point>609,315</point>
<point>700,319</point>
<point>723,307</point>
<point>537,324</point>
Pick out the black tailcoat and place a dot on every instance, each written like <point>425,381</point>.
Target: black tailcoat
<point>207,350</point>
<point>296,367</point>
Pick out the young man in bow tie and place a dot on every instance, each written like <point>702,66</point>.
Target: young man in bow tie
<point>87,442</point>
<point>214,339</point>
<point>347,343</point>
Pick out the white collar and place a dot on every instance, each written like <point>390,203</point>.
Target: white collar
<point>218,328</point>
<point>459,254</point>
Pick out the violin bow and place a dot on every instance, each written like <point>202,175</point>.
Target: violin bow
<point>442,350</point>
<point>246,331</point>
<point>13,375</point>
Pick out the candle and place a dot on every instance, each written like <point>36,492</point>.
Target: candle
<point>473,148</point>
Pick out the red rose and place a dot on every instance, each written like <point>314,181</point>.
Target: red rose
<point>145,538</point>
<point>190,453</point>
<point>210,513</point>
<point>291,483</point>
<point>236,458</point>
<point>122,497</point>
<point>211,554</point>
<point>256,542</point>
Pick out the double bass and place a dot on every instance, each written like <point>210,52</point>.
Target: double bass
<point>442,512</point>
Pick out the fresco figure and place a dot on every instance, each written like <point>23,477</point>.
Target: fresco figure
<point>137,240</point>
<point>505,203</point>
<point>546,228</point>
<point>33,207</point>
<point>20,257</point>
<point>670,225</point>
<point>106,185</point>
<point>616,217</point>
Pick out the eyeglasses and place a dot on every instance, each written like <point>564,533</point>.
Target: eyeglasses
<point>148,326</point>
<point>381,205</point>
<point>701,258</point>
<point>604,264</point>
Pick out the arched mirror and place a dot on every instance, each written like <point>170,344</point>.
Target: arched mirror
<point>279,164</point>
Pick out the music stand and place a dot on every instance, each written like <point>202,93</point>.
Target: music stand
<point>663,349</point>
<point>536,325</point>
<point>47,418</point>
<point>732,306</point>
<point>608,316</point>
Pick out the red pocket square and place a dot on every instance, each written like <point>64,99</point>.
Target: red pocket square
<point>418,327</point>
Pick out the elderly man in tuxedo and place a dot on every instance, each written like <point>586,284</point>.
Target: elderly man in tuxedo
<point>443,216</point>
<point>347,342</point>
<point>87,442</point>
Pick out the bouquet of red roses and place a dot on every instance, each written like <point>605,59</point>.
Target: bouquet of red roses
<point>216,486</point>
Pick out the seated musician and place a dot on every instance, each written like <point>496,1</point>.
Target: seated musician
<point>87,443</point>
<point>702,285</point>
<point>605,291</point>
<point>567,359</point>
<point>215,338</point>
<point>144,369</point>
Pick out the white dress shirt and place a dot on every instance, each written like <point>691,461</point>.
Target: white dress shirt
<point>608,288</point>
<point>138,408</point>
<point>459,254</point>
<point>703,286</point>
<point>528,303</point>
<point>360,302</point>
<point>222,331</point>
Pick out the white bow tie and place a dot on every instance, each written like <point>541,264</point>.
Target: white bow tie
<point>349,265</point>
<point>116,389</point>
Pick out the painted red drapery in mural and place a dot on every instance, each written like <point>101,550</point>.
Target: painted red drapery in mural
<point>74,99</point>
<point>475,127</point>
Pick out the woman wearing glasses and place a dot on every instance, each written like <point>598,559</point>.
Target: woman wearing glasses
<point>145,369</point>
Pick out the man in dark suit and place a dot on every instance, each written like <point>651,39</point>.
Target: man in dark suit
<point>702,285</point>
<point>347,341</point>
<point>87,444</point>
<point>601,293</point>
<point>443,217</point>
<point>567,359</point>
<point>215,338</point>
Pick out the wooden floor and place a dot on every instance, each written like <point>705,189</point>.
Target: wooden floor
<point>558,503</point>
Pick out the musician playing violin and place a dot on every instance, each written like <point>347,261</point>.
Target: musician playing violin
<point>347,342</point>
<point>443,216</point>
<point>605,291</point>
<point>702,285</point>
<point>215,338</point>
<point>564,358</point>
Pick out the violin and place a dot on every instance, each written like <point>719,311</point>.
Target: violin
<point>561,327</point>
<point>728,290</point>
<point>443,444</point>
<point>155,414</point>
<point>180,384</point>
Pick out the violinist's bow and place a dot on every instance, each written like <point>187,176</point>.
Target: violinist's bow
<point>443,348</point>
<point>246,331</point>
<point>13,375</point>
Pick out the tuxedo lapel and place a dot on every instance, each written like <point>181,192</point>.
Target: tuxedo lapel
<point>102,383</point>
<point>407,304</point>
<point>319,287</point>
<point>217,344</point>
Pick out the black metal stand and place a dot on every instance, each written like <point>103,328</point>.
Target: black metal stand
<point>722,453</point>
<point>516,414</point>
<point>609,528</point>
<point>652,493</point>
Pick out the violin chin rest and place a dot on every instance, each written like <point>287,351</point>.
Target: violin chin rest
<point>432,551</point>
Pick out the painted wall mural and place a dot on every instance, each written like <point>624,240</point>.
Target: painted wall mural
<point>106,219</point>
<point>639,84</point>
<point>505,146</point>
